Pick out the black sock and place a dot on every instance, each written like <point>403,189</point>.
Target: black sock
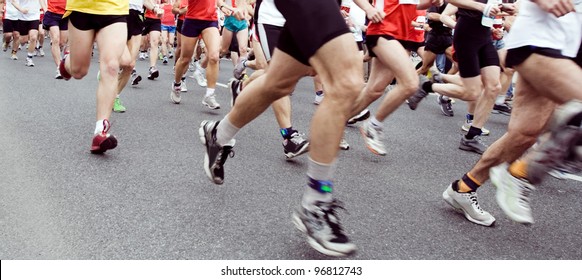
<point>287,132</point>
<point>427,86</point>
<point>473,131</point>
<point>470,117</point>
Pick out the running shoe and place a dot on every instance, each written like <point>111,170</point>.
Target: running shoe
<point>465,127</point>
<point>29,62</point>
<point>63,70</point>
<point>117,106</point>
<point>503,109</point>
<point>373,138</point>
<point>344,145</point>
<point>210,102</point>
<point>418,95</point>
<point>103,141</point>
<point>200,78</point>
<point>14,56</point>
<point>323,228</point>
<point>239,69</point>
<point>468,204</point>
<point>215,155</point>
<point>58,75</point>
<point>183,87</point>
<point>473,145</point>
<point>318,98</point>
<point>362,116</point>
<point>446,105</point>
<point>135,79</point>
<point>233,87</point>
<point>561,145</point>
<point>175,94</point>
<point>295,146</point>
<point>153,73</point>
<point>512,194</point>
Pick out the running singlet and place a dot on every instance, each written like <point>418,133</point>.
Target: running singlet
<point>437,27</point>
<point>268,14</point>
<point>472,13</point>
<point>33,7</point>
<point>183,3</point>
<point>168,18</point>
<point>202,10</point>
<point>57,6</point>
<point>10,13</point>
<point>399,15</point>
<point>417,33</point>
<point>534,27</point>
<point>149,13</point>
<point>99,7</point>
<point>136,5</point>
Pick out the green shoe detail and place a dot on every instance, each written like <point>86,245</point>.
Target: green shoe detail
<point>117,107</point>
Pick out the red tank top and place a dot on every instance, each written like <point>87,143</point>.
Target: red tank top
<point>183,3</point>
<point>397,22</point>
<point>202,10</point>
<point>57,6</point>
<point>168,18</point>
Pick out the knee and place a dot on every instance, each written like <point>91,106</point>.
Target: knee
<point>409,85</point>
<point>213,58</point>
<point>493,88</point>
<point>345,92</point>
<point>111,66</point>
<point>79,72</point>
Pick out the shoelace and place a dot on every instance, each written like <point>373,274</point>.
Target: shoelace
<point>298,138</point>
<point>220,158</point>
<point>475,202</point>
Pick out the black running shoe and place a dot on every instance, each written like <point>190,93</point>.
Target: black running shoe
<point>216,155</point>
<point>504,109</point>
<point>233,87</point>
<point>364,115</point>
<point>295,146</point>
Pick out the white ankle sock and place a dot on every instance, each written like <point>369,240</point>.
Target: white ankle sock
<point>209,91</point>
<point>225,132</point>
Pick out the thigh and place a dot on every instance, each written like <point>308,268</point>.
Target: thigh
<point>394,57</point>
<point>81,46</point>
<point>111,41</point>
<point>531,111</point>
<point>211,38</point>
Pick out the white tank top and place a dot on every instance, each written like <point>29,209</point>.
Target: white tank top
<point>136,5</point>
<point>269,14</point>
<point>11,12</point>
<point>33,7</point>
<point>534,27</point>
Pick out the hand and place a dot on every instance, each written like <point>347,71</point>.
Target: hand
<point>239,14</point>
<point>510,9</point>
<point>493,11</point>
<point>24,11</point>
<point>375,15</point>
<point>556,7</point>
<point>226,12</point>
<point>344,14</point>
<point>497,33</point>
<point>427,28</point>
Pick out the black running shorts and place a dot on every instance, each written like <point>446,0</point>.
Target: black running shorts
<point>24,26</point>
<point>517,56</point>
<point>10,25</point>
<point>51,19</point>
<point>151,24</point>
<point>135,24</point>
<point>84,21</point>
<point>438,44</point>
<point>473,47</point>
<point>310,25</point>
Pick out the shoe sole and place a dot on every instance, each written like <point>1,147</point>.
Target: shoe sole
<point>470,149</point>
<point>153,75</point>
<point>368,146</point>
<point>136,81</point>
<point>449,200</point>
<point>359,118</point>
<point>119,111</point>
<point>212,108</point>
<point>501,195</point>
<point>482,133</point>
<point>176,101</point>
<point>108,144</point>
<point>313,243</point>
<point>303,150</point>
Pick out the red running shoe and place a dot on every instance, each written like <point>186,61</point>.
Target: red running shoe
<point>103,141</point>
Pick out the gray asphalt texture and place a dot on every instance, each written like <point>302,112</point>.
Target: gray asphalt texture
<point>150,199</point>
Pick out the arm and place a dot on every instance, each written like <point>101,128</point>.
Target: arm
<point>16,5</point>
<point>425,4</point>
<point>150,5</point>
<point>372,13</point>
<point>43,5</point>
<point>433,16</point>
<point>446,16</point>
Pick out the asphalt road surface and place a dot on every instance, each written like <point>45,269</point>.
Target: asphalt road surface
<point>150,199</point>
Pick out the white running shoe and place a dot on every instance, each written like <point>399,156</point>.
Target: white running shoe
<point>468,204</point>
<point>200,78</point>
<point>175,94</point>
<point>29,62</point>
<point>210,102</point>
<point>512,194</point>
<point>373,138</point>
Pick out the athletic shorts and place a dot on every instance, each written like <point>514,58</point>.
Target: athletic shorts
<point>234,45</point>
<point>438,44</point>
<point>517,56</point>
<point>151,24</point>
<point>135,23</point>
<point>169,28</point>
<point>10,25</point>
<point>24,26</point>
<point>360,45</point>
<point>193,27</point>
<point>179,25</point>
<point>410,45</point>
<point>51,19</point>
<point>372,41</point>
<point>234,25</point>
<point>310,25</point>
<point>84,21</point>
<point>473,47</point>
<point>268,36</point>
